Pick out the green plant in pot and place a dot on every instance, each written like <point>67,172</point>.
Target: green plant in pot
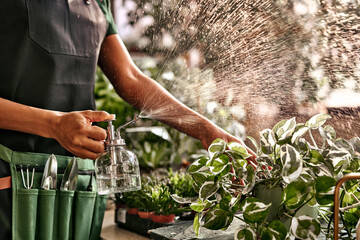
<point>164,205</point>
<point>297,172</point>
<point>132,201</point>
<point>145,201</point>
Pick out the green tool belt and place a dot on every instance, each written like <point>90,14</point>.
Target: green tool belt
<point>53,214</point>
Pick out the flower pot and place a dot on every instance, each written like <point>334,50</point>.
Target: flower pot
<point>163,218</point>
<point>144,215</point>
<point>132,211</point>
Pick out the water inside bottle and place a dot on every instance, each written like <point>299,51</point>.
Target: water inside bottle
<point>104,184</point>
<point>127,183</point>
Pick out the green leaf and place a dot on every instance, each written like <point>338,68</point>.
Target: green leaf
<point>216,148</point>
<point>315,157</point>
<point>198,164</point>
<point>327,132</point>
<point>208,189</point>
<point>217,218</point>
<point>239,149</point>
<point>317,120</point>
<point>339,158</point>
<point>219,164</point>
<point>253,141</point>
<point>295,194</point>
<point>276,230</point>
<point>355,142</point>
<point>198,206</point>
<point>245,233</point>
<point>324,187</point>
<point>292,164</point>
<point>299,133</point>
<point>225,202</point>
<point>285,129</point>
<point>183,200</point>
<point>267,141</point>
<point>305,227</point>
<point>254,211</point>
<point>250,179</point>
<point>200,177</point>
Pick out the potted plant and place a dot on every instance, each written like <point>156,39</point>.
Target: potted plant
<point>132,202</point>
<point>145,203</point>
<point>164,205</point>
<point>289,160</point>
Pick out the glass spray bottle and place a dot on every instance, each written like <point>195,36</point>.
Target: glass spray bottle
<point>117,169</point>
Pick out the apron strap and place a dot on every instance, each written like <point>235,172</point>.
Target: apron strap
<point>5,183</point>
<point>5,153</point>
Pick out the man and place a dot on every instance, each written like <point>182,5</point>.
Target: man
<point>49,54</point>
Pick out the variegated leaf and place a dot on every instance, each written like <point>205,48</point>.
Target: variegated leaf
<point>317,120</point>
<point>208,189</point>
<point>292,163</point>
<point>299,133</point>
<point>305,227</point>
<point>245,232</point>
<point>219,164</point>
<point>254,210</point>
<point>239,149</point>
<point>286,130</point>
<point>267,141</point>
<point>198,164</point>
<point>216,148</point>
<point>218,218</point>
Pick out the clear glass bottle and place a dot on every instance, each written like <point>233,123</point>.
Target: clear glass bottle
<point>117,169</point>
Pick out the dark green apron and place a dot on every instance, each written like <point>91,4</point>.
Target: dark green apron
<point>48,56</point>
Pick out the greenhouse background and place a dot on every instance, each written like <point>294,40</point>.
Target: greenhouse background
<point>245,65</point>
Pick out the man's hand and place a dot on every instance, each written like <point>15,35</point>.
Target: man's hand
<point>74,131</point>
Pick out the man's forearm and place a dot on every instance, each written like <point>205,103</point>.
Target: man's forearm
<point>19,117</point>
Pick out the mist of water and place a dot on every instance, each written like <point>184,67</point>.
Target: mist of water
<point>254,61</point>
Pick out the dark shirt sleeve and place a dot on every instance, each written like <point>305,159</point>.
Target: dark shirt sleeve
<point>106,8</point>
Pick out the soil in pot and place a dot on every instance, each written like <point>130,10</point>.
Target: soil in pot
<point>163,218</point>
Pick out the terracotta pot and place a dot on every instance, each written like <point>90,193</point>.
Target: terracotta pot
<point>145,215</point>
<point>163,218</point>
<point>132,211</point>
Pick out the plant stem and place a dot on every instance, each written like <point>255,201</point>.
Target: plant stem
<point>239,218</point>
<point>303,204</point>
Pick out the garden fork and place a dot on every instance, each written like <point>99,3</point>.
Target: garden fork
<point>28,184</point>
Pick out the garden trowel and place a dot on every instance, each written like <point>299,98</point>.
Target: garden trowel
<point>48,180</point>
<point>69,180</point>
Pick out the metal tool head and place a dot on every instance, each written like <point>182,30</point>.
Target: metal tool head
<point>70,177</point>
<point>27,183</point>
<point>49,177</point>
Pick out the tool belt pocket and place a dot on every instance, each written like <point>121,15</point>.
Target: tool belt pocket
<point>53,214</point>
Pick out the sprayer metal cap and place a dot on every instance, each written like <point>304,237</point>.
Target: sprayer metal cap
<point>119,141</point>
